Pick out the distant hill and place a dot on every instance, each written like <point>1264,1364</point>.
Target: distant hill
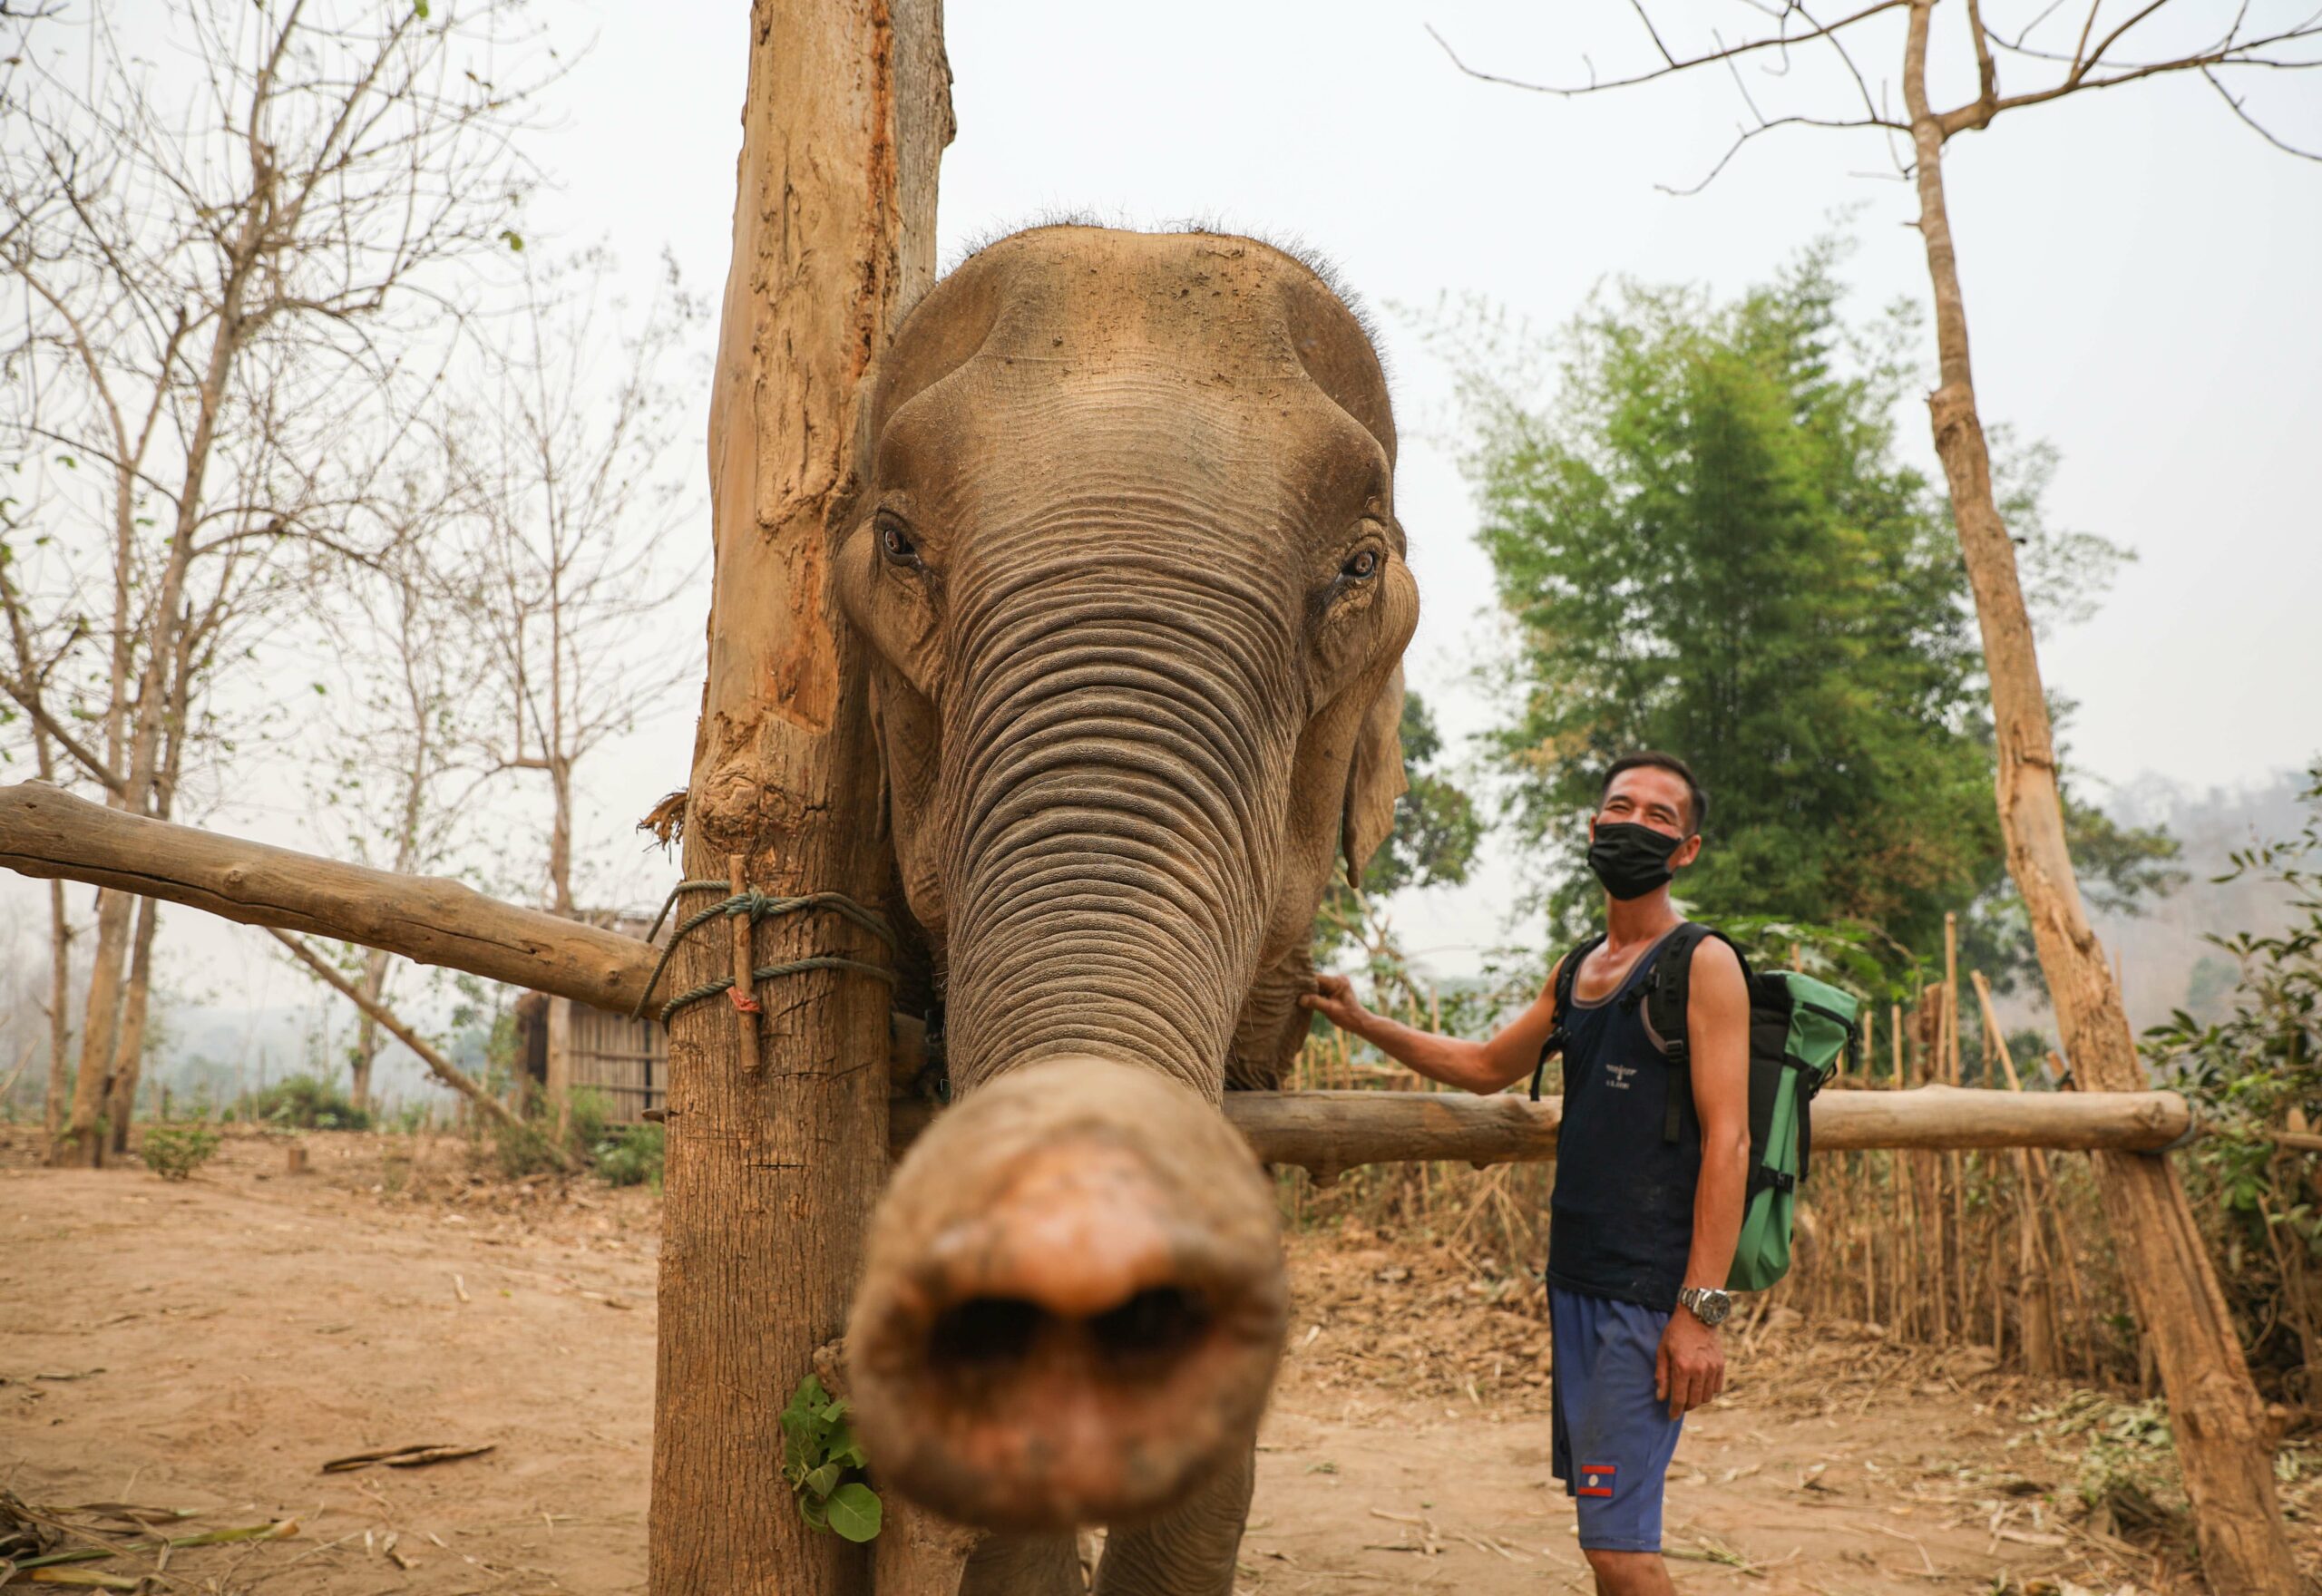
<point>2165,962</point>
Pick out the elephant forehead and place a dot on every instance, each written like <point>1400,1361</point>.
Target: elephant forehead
<point>1027,431</point>
<point>1227,312</point>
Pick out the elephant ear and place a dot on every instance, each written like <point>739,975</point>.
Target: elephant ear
<point>1375,779</point>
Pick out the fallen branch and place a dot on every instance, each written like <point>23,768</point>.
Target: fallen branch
<point>1326,1133</point>
<point>47,832</point>
<point>443,1068</point>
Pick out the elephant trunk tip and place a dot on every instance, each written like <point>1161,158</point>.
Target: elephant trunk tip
<point>1073,1301</point>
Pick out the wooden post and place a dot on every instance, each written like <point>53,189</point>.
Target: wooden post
<point>772,1177</point>
<point>2225,1436</point>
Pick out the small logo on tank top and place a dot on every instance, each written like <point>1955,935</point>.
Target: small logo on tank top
<point>1617,1076</point>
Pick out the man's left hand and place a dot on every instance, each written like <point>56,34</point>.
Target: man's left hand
<point>1691,1367</point>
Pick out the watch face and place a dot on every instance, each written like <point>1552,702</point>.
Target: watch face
<point>1708,1306</point>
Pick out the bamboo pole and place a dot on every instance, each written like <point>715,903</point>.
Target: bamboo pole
<point>2042,1344</point>
<point>1953,1165</point>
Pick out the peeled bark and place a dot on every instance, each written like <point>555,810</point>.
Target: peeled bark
<point>771,1179</point>
<point>2225,1436</point>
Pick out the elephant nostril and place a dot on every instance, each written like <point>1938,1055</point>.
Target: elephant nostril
<point>985,1333</point>
<point>1151,1326</point>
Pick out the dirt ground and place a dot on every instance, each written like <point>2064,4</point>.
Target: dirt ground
<point>207,1345</point>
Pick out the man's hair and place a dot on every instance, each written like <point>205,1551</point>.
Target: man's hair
<point>1696,800</point>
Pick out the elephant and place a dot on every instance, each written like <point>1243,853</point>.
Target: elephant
<point>1124,556</point>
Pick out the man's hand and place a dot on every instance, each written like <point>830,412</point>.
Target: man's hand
<point>1333,998</point>
<point>1690,1367</point>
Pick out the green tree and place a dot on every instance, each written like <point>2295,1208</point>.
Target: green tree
<point>1708,544</point>
<point>1436,829</point>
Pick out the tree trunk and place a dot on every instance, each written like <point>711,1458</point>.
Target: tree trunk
<point>374,987</point>
<point>60,1011</point>
<point>2225,1438</point>
<point>771,1180</point>
<point>129,1050</point>
<point>81,1142</point>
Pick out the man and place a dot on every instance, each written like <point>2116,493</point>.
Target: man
<point>1641,1229</point>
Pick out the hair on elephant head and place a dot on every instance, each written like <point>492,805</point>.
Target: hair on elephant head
<point>1127,559</point>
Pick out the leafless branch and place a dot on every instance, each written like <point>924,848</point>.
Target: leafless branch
<point>1671,65</point>
<point>2253,124</point>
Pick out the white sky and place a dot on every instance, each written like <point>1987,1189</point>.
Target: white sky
<point>2141,273</point>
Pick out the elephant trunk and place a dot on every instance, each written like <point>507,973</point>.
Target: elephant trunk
<point>1074,1300</point>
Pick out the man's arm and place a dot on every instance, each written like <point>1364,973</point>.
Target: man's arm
<point>1480,1067</point>
<point>1692,1365</point>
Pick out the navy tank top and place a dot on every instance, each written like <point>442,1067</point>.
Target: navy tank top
<point>1621,1219</point>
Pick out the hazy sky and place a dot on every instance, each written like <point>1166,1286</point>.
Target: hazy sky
<point>2139,271</point>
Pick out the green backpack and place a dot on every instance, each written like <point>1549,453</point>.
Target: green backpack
<point>1800,1028</point>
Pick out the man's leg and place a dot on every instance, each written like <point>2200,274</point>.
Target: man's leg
<point>1630,1573</point>
<point>1619,1436</point>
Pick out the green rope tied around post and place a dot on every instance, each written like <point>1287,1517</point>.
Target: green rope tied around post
<point>757,906</point>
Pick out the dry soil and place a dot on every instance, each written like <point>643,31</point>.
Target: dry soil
<point>208,1345</point>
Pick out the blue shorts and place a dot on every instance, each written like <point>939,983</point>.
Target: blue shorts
<point>1606,1420</point>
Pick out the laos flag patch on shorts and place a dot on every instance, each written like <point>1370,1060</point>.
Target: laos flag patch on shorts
<point>1596,1480</point>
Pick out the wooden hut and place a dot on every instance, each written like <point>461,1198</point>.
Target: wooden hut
<point>563,1046</point>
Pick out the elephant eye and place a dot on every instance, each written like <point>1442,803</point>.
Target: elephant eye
<point>896,543</point>
<point>1364,564</point>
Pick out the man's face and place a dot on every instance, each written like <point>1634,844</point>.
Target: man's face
<point>1651,797</point>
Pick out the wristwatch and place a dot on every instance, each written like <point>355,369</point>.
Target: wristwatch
<point>1707,1304</point>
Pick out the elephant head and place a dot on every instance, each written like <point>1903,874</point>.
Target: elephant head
<point>1128,559</point>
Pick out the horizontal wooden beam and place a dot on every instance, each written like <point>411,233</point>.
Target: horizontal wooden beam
<point>1329,1132</point>
<point>47,832</point>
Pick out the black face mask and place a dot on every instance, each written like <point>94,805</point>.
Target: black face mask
<point>1631,860</point>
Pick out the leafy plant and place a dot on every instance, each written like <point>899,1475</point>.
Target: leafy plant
<point>529,1146</point>
<point>824,1463</point>
<point>306,1102</point>
<point>630,1155</point>
<point>175,1152</point>
<point>2256,1076</point>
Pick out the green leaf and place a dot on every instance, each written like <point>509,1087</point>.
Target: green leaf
<point>854,1511</point>
<point>845,1447</point>
<point>515,242</point>
<point>419,9</point>
<point>823,1481</point>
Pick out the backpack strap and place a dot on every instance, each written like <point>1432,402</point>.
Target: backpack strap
<point>1567,971</point>
<point>1667,999</point>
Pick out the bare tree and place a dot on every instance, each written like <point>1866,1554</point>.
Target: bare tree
<point>565,466</point>
<point>30,665</point>
<point>394,773</point>
<point>225,272</point>
<point>2225,1438</point>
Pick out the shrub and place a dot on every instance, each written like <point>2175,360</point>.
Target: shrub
<point>175,1152</point>
<point>305,1102</point>
<point>529,1147</point>
<point>630,1155</point>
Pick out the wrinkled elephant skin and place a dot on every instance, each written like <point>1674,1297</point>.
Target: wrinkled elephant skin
<point>1127,559</point>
